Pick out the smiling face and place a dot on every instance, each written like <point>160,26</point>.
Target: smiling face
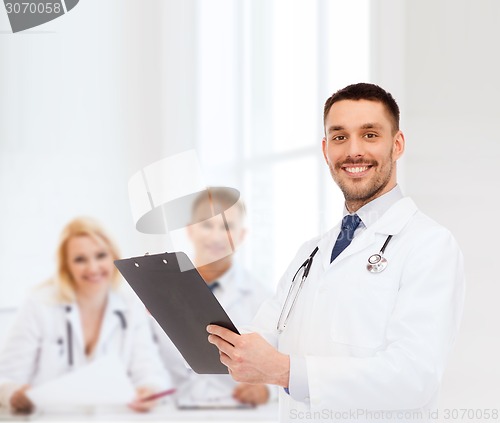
<point>90,264</point>
<point>212,241</point>
<point>361,149</point>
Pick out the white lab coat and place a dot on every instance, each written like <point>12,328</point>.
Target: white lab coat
<point>241,295</point>
<point>371,341</point>
<point>37,348</point>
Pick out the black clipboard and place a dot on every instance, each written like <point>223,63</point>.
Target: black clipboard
<point>181,302</point>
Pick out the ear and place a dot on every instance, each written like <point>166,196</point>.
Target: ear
<point>324,147</point>
<point>398,147</point>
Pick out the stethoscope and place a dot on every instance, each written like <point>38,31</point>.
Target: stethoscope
<point>69,332</point>
<point>376,264</point>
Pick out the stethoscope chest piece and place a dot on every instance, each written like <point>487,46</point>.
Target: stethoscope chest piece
<point>376,263</point>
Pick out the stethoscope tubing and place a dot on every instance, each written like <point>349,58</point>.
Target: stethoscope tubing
<point>69,332</point>
<point>382,250</point>
<point>378,265</point>
<point>69,337</point>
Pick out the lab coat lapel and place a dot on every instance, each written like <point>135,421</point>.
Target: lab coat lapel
<point>396,218</point>
<point>325,245</point>
<point>366,238</point>
<point>111,320</point>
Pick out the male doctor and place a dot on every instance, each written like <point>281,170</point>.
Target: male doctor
<point>365,336</point>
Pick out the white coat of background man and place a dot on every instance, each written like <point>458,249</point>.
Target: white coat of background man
<point>214,242</point>
<point>359,345</point>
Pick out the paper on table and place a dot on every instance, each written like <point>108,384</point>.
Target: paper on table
<point>102,382</point>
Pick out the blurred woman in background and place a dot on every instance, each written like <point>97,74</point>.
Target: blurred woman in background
<point>77,317</point>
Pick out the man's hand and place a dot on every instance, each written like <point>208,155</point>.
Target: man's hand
<point>247,393</point>
<point>250,358</point>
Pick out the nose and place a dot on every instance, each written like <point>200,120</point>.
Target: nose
<point>220,234</point>
<point>93,266</point>
<point>355,147</point>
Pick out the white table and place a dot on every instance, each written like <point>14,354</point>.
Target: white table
<point>168,413</point>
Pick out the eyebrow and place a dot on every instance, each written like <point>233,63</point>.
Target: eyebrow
<point>335,128</point>
<point>369,125</point>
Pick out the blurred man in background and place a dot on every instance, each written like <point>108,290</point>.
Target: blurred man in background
<point>216,230</point>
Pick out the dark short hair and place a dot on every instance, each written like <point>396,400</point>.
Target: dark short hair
<point>222,197</point>
<point>365,91</point>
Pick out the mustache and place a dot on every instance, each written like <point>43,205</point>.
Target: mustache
<point>359,162</point>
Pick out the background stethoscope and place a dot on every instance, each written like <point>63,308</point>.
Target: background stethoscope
<point>69,333</point>
<point>376,264</point>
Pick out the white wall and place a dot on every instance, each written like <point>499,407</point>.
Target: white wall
<point>442,59</point>
<point>86,101</point>
<point>59,138</point>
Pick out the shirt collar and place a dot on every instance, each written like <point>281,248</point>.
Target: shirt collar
<point>226,277</point>
<point>372,211</point>
<point>224,280</point>
<point>116,301</point>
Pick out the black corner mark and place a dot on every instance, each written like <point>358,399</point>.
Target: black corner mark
<point>70,4</point>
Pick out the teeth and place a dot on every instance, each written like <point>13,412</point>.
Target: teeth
<point>94,278</point>
<point>356,169</point>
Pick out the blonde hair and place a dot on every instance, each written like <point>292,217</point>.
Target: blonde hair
<point>81,226</point>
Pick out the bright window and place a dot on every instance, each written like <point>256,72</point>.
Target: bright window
<point>266,68</point>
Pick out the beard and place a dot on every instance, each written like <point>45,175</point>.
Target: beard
<point>362,190</point>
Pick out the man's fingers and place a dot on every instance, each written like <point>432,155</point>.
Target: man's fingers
<point>222,345</point>
<point>223,333</point>
<point>226,360</point>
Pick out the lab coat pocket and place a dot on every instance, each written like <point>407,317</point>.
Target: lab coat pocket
<point>362,310</point>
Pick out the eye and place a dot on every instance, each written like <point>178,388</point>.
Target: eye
<point>102,255</point>
<point>339,138</point>
<point>79,259</point>
<point>206,224</point>
<point>370,135</point>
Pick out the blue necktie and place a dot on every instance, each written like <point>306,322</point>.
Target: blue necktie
<point>213,285</point>
<point>349,225</point>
